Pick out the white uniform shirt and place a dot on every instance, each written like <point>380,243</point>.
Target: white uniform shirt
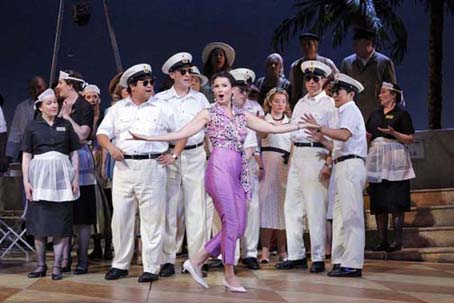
<point>187,108</point>
<point>350,117</point>
<point>321,107</point>
<point>3,128</point>
<point>153,117</point>
<point>253,107</point>
<point>281,141</point>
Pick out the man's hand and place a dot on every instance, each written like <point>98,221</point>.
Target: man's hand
<point>325,173</point>
<point>166,159</point>
<point>116,153</point>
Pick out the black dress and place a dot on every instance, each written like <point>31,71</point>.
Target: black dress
<point>85,207</point>
<point>389,196</point>
<point>49,218</point>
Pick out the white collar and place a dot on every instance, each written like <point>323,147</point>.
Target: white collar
<point>315,98</point>
<point>346,105</point>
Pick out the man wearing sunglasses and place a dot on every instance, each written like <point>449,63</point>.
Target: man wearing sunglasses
<point>139,179</point>
<point>309,46</point>
<point>185,166</point>
<point>349,149</point>
<point>307,185</point>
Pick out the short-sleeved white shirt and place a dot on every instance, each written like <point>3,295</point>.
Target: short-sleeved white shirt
<point>320,106</point>
<point>3,127</point>
<point>154,117</point>
<point>187,108</point>
<point>350,117</point>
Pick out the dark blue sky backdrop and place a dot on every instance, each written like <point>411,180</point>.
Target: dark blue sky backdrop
<point>151,31</point>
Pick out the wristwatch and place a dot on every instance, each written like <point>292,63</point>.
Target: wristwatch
<point>174,156</point>
<point>328,165</point>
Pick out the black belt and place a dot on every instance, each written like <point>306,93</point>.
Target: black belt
<point>308,144</point>
<point>141,156</point>
<point>188,146</point>
<point>274,149</point>
<point>347,157</point>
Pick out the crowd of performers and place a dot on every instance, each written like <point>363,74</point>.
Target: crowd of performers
<point>229,162</point>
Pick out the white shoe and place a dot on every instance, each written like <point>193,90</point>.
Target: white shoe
<point>231,288</point>
<point>188,267</point>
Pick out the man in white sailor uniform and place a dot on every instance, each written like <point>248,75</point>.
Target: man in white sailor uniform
<point>139,179</point>
<point>186,170</point>
<point>349,150</point>
<point>244,77</point>
<point>307,192</point>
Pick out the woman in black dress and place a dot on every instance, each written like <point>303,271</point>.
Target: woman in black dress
<point>389,167</point>
<point>79,113</point>
<point>51,180</point>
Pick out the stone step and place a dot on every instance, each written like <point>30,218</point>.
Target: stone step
<point>418,237</point>
<point>426,197</point>
<point>426,216</point>
<point>427,254</point>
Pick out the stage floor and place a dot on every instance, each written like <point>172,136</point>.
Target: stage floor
<point>383,281</point>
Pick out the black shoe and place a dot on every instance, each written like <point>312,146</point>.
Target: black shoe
<point>216,264</point>
<point>148,277</point>
<point>395,246</point>
<point>167,270</point>
<point>205,269</point>
<point>58,276</point>
<point>115,274</point>
<point>317,267</point>
<point>335,267</point>
<point>108,254</point>
<point>291,264</point>
<point>346,272</point>
<point>38,273</point>
<point>381,247</point>
<point>67,268</point>
<point>251,263</point>
<point>81,268</point>
<point>96,254</point>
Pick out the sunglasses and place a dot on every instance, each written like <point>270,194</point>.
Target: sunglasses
<point>184,71</point>
<point>312,77</point>
<point>146,82</point>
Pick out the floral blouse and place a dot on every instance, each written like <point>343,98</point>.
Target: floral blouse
<point>230,134</point>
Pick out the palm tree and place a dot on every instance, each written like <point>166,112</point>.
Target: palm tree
<point>340,15</point>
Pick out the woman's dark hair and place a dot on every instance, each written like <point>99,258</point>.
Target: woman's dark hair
<point>208,69</point>
<point>77,85</point>
<point>223,74</point>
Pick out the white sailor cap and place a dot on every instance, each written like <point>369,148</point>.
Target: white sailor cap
<point>228,50</point>
<point>243,76</point>
<point>348,82</point>
<point>134,72</point>
<point>176,61</point>
<point>196,72</point>
<point>91,88</point>
<point>395,88</point>
<point>48,93</point>
<point>316,68</point>
<point>65,76</point>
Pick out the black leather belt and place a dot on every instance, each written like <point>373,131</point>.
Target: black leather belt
<point>274,149</point>
<point>141,156</point>
<point>308,144</point>
<point>188,146</point>
<point>347,157</point>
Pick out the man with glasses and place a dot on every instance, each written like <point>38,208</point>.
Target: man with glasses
<point>185,166</point>
<point>307,186</point>
<point>139,178</point>
<point>349,150</point>
<point>309,47</point>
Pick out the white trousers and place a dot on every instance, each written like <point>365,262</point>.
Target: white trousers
<point>306,196</point>
<point>250,239</point>
<point>348,219</point>
<point>186,185</point>
<point>138,183</point>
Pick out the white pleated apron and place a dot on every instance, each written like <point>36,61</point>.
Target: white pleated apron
<point>51,175</point>
<point>388,160</point>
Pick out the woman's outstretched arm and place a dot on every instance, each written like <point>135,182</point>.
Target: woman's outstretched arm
<point>190,129</point>
<point>263,126</point>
